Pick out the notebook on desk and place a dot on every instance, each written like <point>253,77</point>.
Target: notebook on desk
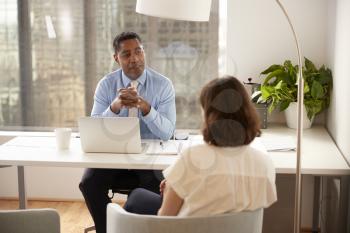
<point>279,144</point>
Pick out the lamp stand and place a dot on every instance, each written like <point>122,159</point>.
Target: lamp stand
<point>300,106</point>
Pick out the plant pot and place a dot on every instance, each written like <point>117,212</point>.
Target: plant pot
<point>291,117</point>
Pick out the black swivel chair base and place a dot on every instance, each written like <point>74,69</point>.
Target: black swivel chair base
<point>120,191</point>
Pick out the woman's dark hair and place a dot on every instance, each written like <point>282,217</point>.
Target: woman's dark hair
<point>230,118</point>
<point>122,37</point>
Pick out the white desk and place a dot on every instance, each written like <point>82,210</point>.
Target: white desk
<point>41,151</point>
<point>320,156</point>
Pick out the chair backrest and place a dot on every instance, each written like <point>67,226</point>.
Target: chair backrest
<point>30,221</point>
<point>120,221</point>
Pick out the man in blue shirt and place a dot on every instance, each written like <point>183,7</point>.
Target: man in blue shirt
<point>133,90</point>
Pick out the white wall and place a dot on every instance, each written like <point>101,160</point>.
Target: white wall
<point>338,118</point>
<point>43,183</point>
<point>258,35</point>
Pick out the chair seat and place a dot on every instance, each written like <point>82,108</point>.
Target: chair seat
<point>120,221</point>
<point>30,221</point>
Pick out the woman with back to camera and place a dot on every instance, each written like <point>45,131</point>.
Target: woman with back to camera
<point>226,173</point>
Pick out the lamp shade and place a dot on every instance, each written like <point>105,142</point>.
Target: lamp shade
<point>191,10</point>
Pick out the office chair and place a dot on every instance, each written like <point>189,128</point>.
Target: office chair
<point>120,221</point>
<point>113,191</point>
<point>30,221</point>
<point>124,188</point>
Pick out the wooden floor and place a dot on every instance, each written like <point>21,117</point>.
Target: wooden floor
<point>74,215</point>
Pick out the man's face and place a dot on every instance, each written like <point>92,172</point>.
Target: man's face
<point>131,58</point>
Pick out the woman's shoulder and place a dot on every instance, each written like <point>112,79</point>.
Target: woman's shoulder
<point>198,152</point>
<point>257,152</point>
<point>201,149</point>
<point>259,157</point>
<point>249,153</point>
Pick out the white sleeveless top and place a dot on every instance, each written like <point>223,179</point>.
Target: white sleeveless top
<point>213,180</point>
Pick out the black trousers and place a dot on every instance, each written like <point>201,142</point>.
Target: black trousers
<point>143,201</point>
<point>96,183</point>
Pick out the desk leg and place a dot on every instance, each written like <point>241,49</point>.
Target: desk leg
<point>21,188</point>
<point>316,205</point>
<point>344,205</point>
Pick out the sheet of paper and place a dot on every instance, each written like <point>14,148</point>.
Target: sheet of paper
<point>279,144</point>
<point>170,147</point>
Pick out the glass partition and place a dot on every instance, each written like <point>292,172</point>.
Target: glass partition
<point>9,64</point>
<point>69,46</point>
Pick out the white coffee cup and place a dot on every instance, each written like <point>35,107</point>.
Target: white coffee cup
<point>63,136</point>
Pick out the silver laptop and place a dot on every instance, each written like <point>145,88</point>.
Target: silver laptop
<point>110,134</point>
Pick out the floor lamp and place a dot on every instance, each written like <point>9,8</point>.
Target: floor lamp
<point>199,10</point>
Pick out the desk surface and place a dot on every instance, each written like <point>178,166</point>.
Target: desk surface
<point>320,156</point>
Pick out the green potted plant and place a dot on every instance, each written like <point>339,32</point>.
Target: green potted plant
<point>279,90</point>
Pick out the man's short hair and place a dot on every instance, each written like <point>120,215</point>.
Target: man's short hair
<point>122,37</point>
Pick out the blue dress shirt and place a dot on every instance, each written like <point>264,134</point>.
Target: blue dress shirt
<point>155,88</point>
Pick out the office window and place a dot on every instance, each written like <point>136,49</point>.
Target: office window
<point>57,38</point>
<point>71,50</point>
<point>9,64</point>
